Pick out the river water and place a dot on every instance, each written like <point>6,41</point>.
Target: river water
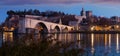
<point>94,44</point>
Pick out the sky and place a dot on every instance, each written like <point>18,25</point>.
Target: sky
<point>106,8</point>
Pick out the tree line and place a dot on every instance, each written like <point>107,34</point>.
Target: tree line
<point>35,12</point>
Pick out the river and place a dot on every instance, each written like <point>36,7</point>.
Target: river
<point>94,44</point>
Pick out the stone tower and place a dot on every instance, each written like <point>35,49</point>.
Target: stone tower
<point>82,12</point>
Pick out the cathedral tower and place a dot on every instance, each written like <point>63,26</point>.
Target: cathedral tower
<point>82,12</point>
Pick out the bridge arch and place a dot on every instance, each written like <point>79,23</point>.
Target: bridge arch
<point>65,29</point>
<point>57,29</point>
<point>41,27</point>
<point>71,29</point>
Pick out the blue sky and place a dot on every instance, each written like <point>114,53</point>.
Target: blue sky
<point>98,7</point>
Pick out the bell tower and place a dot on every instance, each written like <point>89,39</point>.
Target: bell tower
<point>82,12</point>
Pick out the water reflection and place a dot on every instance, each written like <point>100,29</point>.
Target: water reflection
<point>92,43</point>
<point>117,43</point>
<point>106,41</point>
<point>109,47</point>
<point>95,44</point>
<point>78,36</point>
<point>109,40</point>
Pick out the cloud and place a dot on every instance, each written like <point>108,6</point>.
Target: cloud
<point>27,2</point>
<point>106,1</point>
<point>24,2</point>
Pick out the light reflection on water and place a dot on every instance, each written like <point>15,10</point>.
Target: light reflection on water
<point>109,47</point>
<point>104,44</point>
<point>109,40</point>
<point>117,43</point>
<point>94,44</point>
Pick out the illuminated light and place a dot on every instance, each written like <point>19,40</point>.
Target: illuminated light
<point>117,43</point>
<point>117,26</point>
<point>92,28</point>
<point>7,36</point>
<point>11,36</point>
<point>12,29</point>
<point>4,36</point>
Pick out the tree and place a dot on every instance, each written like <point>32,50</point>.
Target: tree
<point>36,12</point>
<point>10,12</point>
<point>30,12</point>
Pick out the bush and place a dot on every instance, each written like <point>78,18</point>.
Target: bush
<point>46,47</point>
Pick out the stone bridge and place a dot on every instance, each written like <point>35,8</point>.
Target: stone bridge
<point>29,24</point>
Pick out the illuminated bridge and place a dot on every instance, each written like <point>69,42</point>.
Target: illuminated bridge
<point>30,24</point>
